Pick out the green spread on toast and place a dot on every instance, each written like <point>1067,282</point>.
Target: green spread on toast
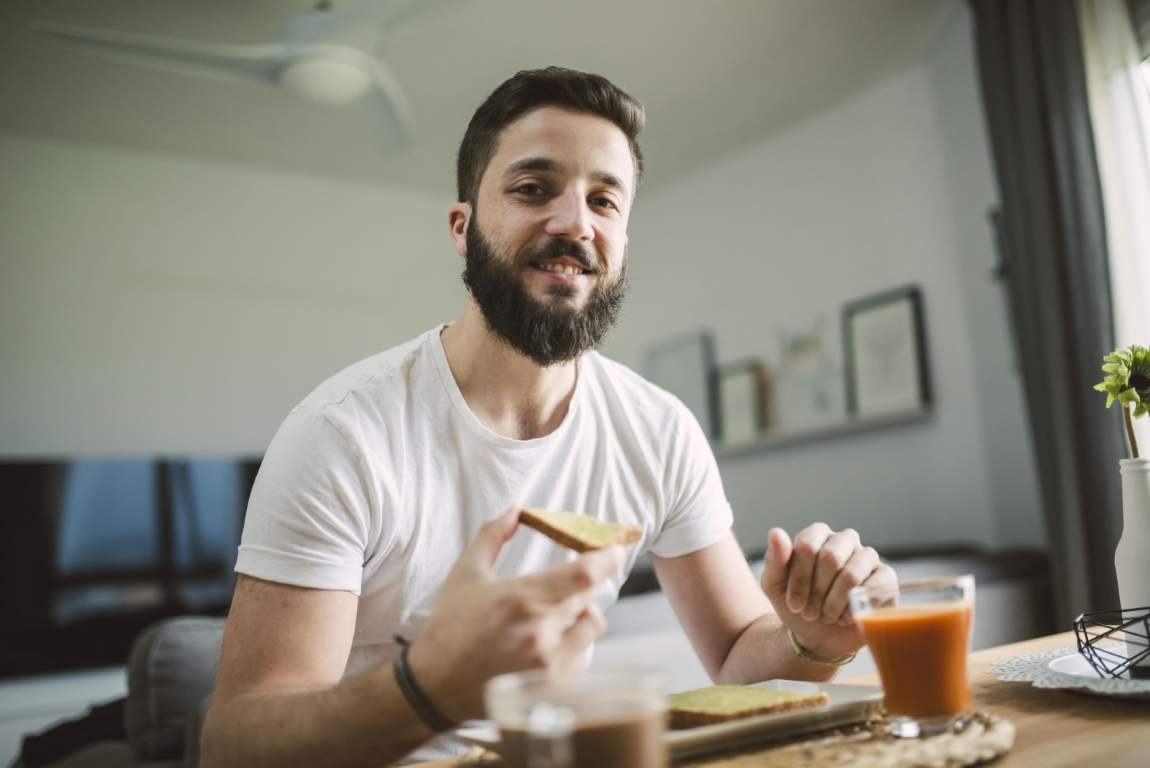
<point>595,532</point>
<point>728,699</point>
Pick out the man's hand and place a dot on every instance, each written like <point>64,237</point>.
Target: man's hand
<point>482,627</point>
<point>807,582</point>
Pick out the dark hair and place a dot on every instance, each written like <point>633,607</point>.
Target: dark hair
<point>533,88</point>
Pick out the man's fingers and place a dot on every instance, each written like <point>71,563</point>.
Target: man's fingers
<point>588,627</point>
<point>775,563</point>
<point>802,566</point>
<point>582,574</point>
<point>883,577</point>
<point>484,550</point>
<point>831,557</point>
<point>857,570</point>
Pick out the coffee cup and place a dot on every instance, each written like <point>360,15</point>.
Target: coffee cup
<point>601,719</point>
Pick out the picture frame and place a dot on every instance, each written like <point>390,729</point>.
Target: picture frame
<point>806,380</point>
<point>885,354</point>
<point>684,365</point>
<point>742,394</point>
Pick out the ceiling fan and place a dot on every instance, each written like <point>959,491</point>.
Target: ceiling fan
<point>325,55</point>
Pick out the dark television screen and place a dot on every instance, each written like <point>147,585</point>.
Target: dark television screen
<point>93,550</point>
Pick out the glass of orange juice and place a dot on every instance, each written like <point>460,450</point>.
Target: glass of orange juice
<point>919,635</point>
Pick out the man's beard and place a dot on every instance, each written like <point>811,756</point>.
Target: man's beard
<point>549,332</point>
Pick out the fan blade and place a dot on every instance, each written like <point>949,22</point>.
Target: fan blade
<point>261,62</point>
<point>395,13</point>
<point>348,25</point>
<point>395,117</point>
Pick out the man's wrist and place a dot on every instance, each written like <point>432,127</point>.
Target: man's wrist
<point>416,697</point>
<point>814,652</point>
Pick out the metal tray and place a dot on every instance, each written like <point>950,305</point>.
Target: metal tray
<point>847,704</point>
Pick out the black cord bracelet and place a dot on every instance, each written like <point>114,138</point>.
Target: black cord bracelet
<point>416,699</point>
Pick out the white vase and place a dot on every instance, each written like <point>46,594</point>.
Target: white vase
<point>1132,556</point>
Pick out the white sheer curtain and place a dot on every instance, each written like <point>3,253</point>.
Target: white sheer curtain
<point>1120,115</point>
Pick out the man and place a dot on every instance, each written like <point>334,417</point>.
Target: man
<point>377,516</point>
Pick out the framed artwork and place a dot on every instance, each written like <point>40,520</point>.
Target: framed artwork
<point>884,344</point>
<point>742,387</point>
<point>806,381</point>
<point>684,365</point>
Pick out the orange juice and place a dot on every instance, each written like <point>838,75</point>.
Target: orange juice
<point>920,652</point>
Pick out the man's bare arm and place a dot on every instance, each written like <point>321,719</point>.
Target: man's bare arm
<point>279,698</point>
<point>728,618</point>
<point>739,628</point>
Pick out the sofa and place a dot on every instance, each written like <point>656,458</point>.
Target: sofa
<point>172,664</point>
<point>171,669</point>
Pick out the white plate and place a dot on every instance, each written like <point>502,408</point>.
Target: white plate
<point>1076,665</point>
<point>1066,668</point>
<point>846,704</point>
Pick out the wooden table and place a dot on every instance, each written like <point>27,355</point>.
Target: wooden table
<point>1054,727</point>
<point>1057,727</point>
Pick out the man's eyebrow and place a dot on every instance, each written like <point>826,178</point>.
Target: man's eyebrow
<point>546,165</point>
<point>608,180</point>
<point>541,164</point>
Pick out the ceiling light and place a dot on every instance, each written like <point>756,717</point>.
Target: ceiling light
<point>326,79</point>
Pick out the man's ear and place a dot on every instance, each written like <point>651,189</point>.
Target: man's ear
<point>458,218</point>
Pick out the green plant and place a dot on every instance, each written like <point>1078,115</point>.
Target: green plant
<point>1127,383</point>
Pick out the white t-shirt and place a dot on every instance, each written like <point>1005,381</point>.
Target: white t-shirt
<point>376,482</point>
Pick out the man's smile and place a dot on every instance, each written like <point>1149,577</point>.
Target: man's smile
<point>565,270</point>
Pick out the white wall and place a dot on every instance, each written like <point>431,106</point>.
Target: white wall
<point>970,185</point>
<point>887,188</point>
<point>152,304</point>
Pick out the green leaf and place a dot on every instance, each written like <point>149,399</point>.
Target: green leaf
<point>1119,367</point>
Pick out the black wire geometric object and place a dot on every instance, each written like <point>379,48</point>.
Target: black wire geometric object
<point>1129,626</point>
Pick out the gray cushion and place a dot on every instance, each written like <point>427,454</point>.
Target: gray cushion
<point>105,754</point>
<point>171,670</point>
<point>192,735</point>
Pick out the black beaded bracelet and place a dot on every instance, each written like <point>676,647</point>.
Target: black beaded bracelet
<point>416,699</point>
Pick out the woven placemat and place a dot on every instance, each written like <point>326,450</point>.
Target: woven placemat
<point>861,746</point>
<point>868,746</point>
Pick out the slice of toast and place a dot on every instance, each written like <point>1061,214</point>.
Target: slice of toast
<point>721,703</point>
<point>579,532</point>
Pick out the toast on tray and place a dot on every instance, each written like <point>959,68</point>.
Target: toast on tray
<point>721,703</point>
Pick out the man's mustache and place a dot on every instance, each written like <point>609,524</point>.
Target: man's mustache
<point>557,248</point>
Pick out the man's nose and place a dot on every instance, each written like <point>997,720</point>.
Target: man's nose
<point>570,218</point>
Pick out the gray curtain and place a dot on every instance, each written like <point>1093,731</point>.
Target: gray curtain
<point>1140,17</point>
<point>1052,232</point>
